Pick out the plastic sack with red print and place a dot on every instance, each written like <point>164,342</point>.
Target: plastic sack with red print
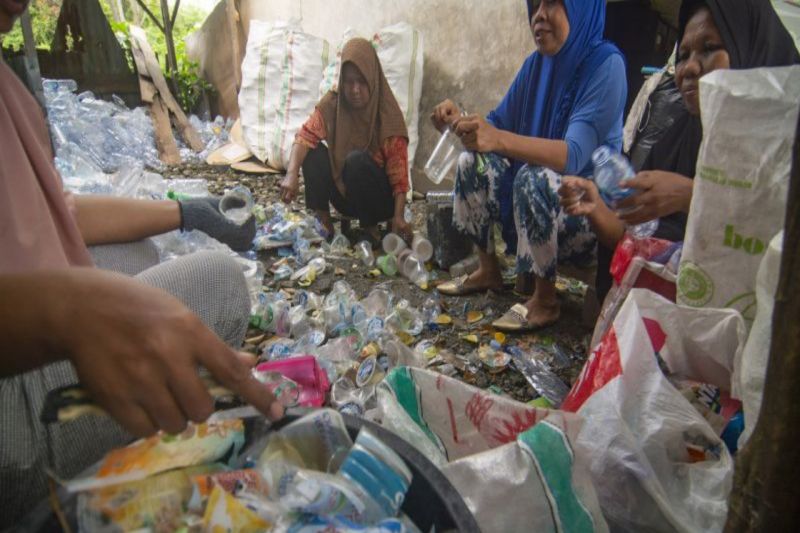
<point>517,467</point>
<point>656,457</point>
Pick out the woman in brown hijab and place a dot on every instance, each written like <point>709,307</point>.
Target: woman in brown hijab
<point>363,171</point>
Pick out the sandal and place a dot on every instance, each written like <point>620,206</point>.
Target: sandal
<point>516,321</point>
<point>456,287</point>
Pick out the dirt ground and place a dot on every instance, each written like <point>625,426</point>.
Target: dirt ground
<point>562,345</point>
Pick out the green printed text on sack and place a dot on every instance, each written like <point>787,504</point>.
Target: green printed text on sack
<point>718,176</point>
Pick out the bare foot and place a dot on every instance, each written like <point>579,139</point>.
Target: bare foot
<point>485,279</point>
<point>542,312</point>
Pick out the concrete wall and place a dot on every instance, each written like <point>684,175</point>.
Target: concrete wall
<point>473,48</point>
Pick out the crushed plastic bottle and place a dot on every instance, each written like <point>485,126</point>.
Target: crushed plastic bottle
<point>180,189</point>
<point>611,170</point>
<point>540,376</point>
<point>254,276</point>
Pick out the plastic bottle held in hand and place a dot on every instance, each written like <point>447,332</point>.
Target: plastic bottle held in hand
<point>611,170</point>
<point>443,158</point>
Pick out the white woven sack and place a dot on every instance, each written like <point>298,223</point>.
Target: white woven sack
<point>281,73</point>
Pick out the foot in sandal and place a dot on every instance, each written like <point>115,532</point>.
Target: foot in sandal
<point>479,281</point>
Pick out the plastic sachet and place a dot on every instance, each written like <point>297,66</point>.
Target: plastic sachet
<point>198,444</point>
<point>160,501</point>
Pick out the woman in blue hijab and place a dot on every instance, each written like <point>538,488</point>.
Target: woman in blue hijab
<point>567,99</point>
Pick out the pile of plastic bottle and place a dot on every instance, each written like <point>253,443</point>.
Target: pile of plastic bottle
<point>94,138</point>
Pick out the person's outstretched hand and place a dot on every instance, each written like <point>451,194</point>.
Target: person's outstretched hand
<point>444,115</point>
<point>203,214</point>
<point>137,350</point>
<point>290,187</point>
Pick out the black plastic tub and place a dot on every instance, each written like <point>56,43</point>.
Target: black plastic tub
<point>432,502</point>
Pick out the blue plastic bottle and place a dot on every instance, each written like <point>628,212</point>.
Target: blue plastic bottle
<point>611,169</point>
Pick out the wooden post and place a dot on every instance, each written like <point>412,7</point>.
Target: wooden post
<point>172,58</point>
<point>34,75</point>
<point>234,18</point>
<point>765,491</point>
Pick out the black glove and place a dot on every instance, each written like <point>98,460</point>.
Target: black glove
<point>203,214</point>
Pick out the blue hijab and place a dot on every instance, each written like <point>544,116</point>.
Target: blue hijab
<point>542,97</point>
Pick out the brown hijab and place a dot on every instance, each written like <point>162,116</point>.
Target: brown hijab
<point>37,230</point>
<point>349,129</point>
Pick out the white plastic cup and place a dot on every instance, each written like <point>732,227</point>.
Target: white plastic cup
<point>422,247</point>
<point>237,205</point>
<point>401,259</point>
<point>414,270</point>
<point>364,252</point>
<point>393,244</point>
<point>444,156</point>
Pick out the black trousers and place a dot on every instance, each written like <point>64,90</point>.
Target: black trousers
<point>369,195</point>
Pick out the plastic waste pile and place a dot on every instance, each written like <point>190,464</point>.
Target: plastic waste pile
<point>309,476</point>
<point>279,227</point>
<point>363,340</point>
<point>94,137</point>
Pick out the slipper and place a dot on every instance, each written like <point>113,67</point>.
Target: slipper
<point>516,321</point>
<point>456,287</point>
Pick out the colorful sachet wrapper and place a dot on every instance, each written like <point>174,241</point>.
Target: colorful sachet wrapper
<point>198,444</point>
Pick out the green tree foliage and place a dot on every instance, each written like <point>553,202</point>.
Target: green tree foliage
<point>44,16</point>
<point>189,84</point>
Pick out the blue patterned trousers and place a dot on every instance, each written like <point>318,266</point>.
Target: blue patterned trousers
<point>546,235</point>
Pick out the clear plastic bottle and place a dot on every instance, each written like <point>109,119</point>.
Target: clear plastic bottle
<point>611,170</point>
